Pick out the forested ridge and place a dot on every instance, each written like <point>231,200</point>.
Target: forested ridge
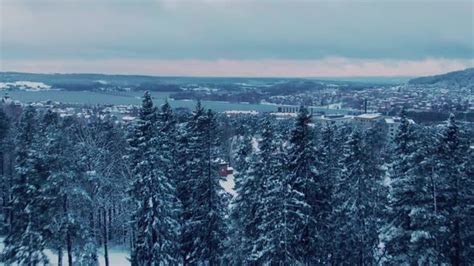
<point>305,193</point>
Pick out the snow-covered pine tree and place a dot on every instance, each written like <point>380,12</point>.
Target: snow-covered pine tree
<point>247,212</point>
<point>152,193</point>
<point>329,152</point>
<point>140,190</point>
<point>243,151</point>
<point>167,131</point>
<point>456,195</point>
<point>206,227</point>
<point>274,230</point>
<point>167,204</point>
<point>398,231</point>
<point>244,158</point>
<point>56,152</point>
<point>424,216</point>
<point>467,194</point>
<point>4,176</point>
<point>307,192</point>
<point>357,207</point>
<point>409,233</point>
<point>62,185</point>
<point>26,241</point>
<point>184,192</point>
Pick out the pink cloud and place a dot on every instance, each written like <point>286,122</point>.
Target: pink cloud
<point>328,67</point>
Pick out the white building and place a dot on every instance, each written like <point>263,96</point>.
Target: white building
<point>392,124</point>
<point>333,119</point>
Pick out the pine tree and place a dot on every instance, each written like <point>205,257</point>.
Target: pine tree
<point>168,209</point>
<point>243,151</point>
<point>307,191</point>
<point>152,190</point>
<point>206,227</point>
<point>56,147</point>
<point>357,205</point>
<point>244,161</point>
<point>424,216</point>
<point>5,142</point>
<point>411,236</point>
<point>26,241</point>
<point>398,236</point>
<point>247,206</point>
<point>456,202</point>
<point>184,192</point>
<point>274,231</point>
<point>467,195</point>
<point>329,151</point>
<point>141,183</point>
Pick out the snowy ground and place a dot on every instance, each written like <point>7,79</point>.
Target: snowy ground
<point>116,257</point>
<point>229,185</point>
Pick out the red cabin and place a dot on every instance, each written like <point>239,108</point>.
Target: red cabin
<point>225,169</point>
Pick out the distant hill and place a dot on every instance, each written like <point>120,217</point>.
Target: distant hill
<point>92,81</point>
<point>102,82</point>
<point>462,78</point>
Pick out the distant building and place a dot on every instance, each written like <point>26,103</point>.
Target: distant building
<point>370,118</point>
<point>284,115</point>
<point>333,119</point>
<point>240,112</point>
<point>287,109</point>
<point>365,121</point>
<point>392,124</point>
<point>295,110</point>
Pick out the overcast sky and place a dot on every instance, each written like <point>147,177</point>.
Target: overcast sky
<point>237,37</point>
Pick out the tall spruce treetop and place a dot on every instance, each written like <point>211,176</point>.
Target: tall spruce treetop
<point>329,152</point>
<point>422,185</point>
<point>4,176</point>
<point>205,224</point>
<point>456,202</point>
<point>166,141</point>
<point>247,207</point>
<point>25,242</point>
<point>153,193</point>
<point>274,231</point>
<point>467,196</point>
<point>357,208</point>
<point>243,152</point>
<point>58,157</point>
<point>190,169</point>
<point>404,137</point>
<point>402,196</point>
<point>4,127</point>
<point>306,187</point>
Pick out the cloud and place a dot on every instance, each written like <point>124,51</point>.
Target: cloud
<point>210,31</point>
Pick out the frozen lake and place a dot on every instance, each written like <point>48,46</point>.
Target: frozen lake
<point>126,98</point>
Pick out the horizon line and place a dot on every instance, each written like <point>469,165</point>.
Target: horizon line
<point>205,76</point>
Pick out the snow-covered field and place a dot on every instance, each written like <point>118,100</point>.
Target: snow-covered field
<point>116,257</point>
<point>25,85</point>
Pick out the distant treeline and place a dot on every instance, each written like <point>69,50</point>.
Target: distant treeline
<point>93,86</point>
